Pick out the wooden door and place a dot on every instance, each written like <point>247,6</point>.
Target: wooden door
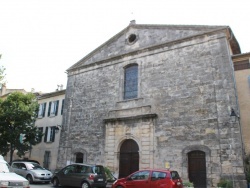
<point>197,168</point>
<point>129,158</point>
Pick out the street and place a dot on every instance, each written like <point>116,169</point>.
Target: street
<point>49,185</point>
<point>41,185</point>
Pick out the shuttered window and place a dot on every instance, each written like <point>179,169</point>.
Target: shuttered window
<point>53,108</point>
<point>49,134</point>
<point>42,108</point>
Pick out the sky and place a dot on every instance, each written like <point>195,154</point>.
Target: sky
<point>41,39</point>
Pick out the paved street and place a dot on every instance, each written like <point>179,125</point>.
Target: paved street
<point>42,185</point>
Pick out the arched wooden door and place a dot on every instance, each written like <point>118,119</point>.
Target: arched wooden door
<point>129,158</point>
<point>197,168</point>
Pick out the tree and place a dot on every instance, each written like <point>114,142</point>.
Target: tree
<point>2,75</point>
<point>18,114</point>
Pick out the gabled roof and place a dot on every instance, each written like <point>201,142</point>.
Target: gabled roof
<point>148,36</point>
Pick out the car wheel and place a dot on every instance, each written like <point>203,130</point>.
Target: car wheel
<point>85,185</point>
<point>55,182</point>
<point>30,179</point>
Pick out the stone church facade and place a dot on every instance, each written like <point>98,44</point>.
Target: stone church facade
<point>157,96</point>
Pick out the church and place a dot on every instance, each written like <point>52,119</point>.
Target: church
<point>157,96</point>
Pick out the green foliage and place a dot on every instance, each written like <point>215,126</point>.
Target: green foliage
<point>247,167</point>
<point>2,75</point>
<point>225,183</point>
<point>18,114</point>
<point>109,175</point>
<point>188,184</point>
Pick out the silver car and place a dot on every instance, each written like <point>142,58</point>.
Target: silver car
<point>9,179</point>
<point>33,172</point>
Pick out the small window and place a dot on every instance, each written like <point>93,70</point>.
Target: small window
<point>49,134</point>
<point>79,157</point>
<point>132,38</point>
<point>46,160</point>
<point>131,82</point>
<point>42,108</point>
<point>53,108</point>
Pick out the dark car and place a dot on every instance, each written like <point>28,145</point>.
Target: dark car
<point>150,179</point>
<point>80,175</point>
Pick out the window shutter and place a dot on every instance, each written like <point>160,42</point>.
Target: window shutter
<point>41,130</point>
<point>53,134</point>
<point>62,106</point>
<point>44,108</point>
<point>57,104</point>
<point>49,109</point>
<point>45,136</point>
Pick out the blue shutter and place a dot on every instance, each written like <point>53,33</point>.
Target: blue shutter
<point>49,109</point>
<point>62,106</point>
<point>44,108</point>
<point>53,134</point>
<point>46,133</point>
<point>57,105</point>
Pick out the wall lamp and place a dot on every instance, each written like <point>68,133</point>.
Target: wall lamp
<point>233,115</point>
<point>57,128</point>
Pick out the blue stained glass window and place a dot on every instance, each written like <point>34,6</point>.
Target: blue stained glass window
<point>131,82</point>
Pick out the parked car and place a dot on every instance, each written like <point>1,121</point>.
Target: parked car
<point>80,175</point>
<point>150,179</point>
<point>10,179</point>
<point>32,171</point>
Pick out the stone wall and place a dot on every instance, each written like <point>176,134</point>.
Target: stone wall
<point>189,88</point>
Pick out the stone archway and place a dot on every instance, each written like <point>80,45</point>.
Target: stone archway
<point>129,158</point>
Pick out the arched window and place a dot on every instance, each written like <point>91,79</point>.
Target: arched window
<point>131,82</point>
<point>79,157</point>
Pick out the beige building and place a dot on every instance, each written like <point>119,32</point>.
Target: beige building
<point>4,91</point>
<point>242,77</point>
<point>49,121</point>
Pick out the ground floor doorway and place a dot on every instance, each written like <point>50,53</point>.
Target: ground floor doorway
<point>197,168</point>
<point>129,158</point>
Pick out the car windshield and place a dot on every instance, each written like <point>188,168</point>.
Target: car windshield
<point>34,166</point>
<point>4,167</point>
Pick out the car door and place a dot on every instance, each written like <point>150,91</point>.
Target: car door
<point>15,168</point>
<point>139,180</point>
<point>160,179</point>
<point>66,177</point>
<point>22,169</point>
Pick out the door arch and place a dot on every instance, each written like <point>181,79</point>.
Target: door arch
<point>129,158</point>
<point>197,168</point>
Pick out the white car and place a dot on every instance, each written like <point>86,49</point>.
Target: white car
<point>32,171</point>
<point>10,179</point>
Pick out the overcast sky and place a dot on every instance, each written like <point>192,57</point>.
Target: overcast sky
<point>41,39</point>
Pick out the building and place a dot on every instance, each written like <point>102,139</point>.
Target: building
<point>157,96</point>
<point>242,77</point>
<point>49,121</point>
<point>4,92</point>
